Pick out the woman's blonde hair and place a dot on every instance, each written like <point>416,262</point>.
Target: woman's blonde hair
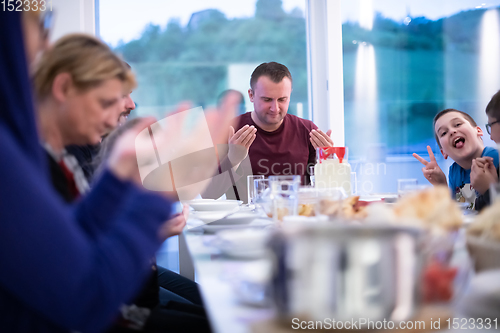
<point>87,59</point>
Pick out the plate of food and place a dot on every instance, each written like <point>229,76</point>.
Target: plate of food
<point>214,205</point>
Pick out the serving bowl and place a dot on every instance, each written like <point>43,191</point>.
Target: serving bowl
<point>484,252</point>
<point>345,271</point>
<point>225,217</point>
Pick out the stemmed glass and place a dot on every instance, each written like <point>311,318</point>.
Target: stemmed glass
<point>251,188</point>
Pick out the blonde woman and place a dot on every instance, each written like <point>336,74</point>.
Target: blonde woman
<point>79,85</point>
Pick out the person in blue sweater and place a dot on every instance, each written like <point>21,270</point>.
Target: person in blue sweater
<point>67,268</point>
<point>459,138</point>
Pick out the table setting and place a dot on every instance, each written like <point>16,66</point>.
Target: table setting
<point>309,253</point>
<point>211,216</point>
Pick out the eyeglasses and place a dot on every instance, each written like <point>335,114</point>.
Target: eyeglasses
<point>488,126</point>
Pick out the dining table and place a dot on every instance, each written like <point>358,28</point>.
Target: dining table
<point>233,303</point>
<point>220,280</point>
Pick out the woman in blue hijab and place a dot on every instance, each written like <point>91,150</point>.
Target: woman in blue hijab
<point>66,268</point>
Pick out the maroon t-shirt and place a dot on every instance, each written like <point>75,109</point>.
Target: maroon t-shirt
<point>286,151</point>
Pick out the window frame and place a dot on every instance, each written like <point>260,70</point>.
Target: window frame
<point>324,51</point>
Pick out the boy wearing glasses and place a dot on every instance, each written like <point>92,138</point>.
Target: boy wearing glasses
<point>493,114</point>
<point>459,138</point>
<point>484,167</point>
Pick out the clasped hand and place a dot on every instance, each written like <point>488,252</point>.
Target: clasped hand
<point>483,173</point>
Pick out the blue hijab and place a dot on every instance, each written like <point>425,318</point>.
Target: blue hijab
<point>16,104</point>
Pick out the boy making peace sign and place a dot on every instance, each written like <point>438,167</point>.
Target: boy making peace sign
<point>459,138</point>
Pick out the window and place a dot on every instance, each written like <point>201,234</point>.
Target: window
<point>404,61</point>
<point>194,50</point>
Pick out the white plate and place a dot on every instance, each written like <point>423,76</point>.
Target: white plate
<point>387,197</point>
<point>212,229</point>
<point>247,243</point>
<point>222,218</point>
<point>214,205</point>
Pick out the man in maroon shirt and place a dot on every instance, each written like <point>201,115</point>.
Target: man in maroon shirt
<point>276,142</point>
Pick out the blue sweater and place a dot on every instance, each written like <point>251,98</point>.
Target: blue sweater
<point>62,267</point>
<point>460,178</point>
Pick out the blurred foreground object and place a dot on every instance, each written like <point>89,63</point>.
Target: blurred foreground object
<point>483,238</point>
<point>432,207</point>
<point>341,271</point>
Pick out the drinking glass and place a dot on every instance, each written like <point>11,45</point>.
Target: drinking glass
<point>262,198</point>
<point>284,191</point>
<point>406,186</point>
<point>311,174</point>
<point>354,183</point>
<point>260,186</point>
<point>251,187</point>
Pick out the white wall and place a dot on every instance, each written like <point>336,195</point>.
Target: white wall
<point>73,16</point>
<point>238,78</point>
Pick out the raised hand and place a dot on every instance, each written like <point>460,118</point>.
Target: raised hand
<point>431,170</point>
<point>175,225</point>
<point>122,160</point>
<point>483,173</point>
<point>240,142</point>
<point>135,148</point>
<point>320,139</point>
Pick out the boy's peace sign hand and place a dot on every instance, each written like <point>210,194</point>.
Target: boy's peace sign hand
<point>431,170</point>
